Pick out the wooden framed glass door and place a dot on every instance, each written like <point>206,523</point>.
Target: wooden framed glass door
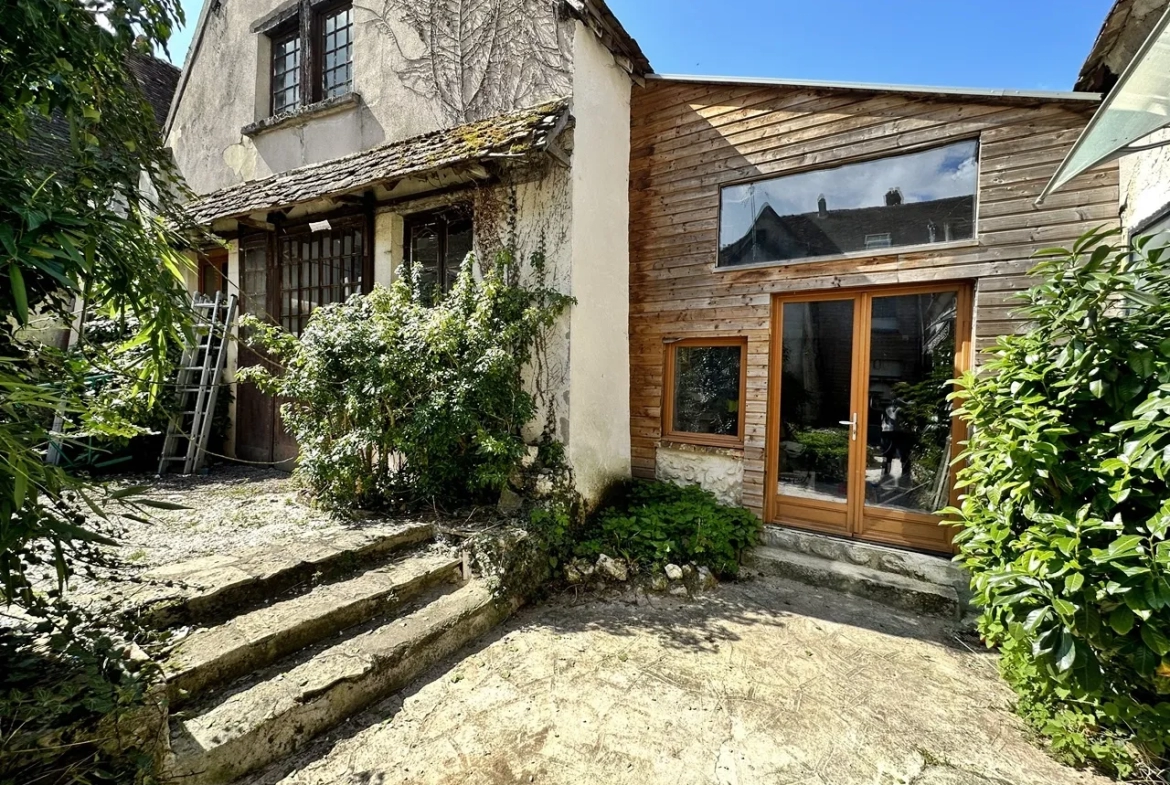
<point>861,439</point>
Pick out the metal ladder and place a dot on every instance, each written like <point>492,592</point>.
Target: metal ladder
<point>200,373</point>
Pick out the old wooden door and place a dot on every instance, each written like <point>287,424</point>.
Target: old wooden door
<point>285,276</point>
<point>860,435</point>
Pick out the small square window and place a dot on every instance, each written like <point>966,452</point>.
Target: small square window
<point>705,390</point>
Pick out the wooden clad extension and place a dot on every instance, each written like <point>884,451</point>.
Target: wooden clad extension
<point>691,138</point>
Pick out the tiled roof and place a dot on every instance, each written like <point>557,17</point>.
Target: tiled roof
<point>512,135</point>
<point>158,80</point>
<point>1126,27</point>
<point>49,144</point>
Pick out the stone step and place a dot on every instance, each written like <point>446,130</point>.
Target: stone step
<point>936,569</point>
<point>888,588</point>
<point>266,720</point>
<point>209,590</point>
<point>247,643</point>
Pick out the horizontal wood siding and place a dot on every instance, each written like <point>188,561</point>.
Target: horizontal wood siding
<point>688,140</point>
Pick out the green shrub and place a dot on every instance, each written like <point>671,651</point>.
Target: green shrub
<point>390,397</point>
<point>656,523</point>
<point>1065,512</point>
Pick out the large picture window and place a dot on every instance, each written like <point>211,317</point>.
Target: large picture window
<point>913,199</point>
<point>705,386</point>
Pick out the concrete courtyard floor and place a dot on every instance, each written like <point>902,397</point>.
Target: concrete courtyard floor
<point>761,681</point>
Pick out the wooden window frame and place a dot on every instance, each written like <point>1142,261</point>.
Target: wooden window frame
<point>284,34</point>
<point>216,259</point>
<point>318,50</point>
<point>668,379</point>
<point>306,26</point>
<point>442,215</point>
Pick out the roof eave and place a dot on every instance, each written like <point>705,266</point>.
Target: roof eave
<point>1014,96</point>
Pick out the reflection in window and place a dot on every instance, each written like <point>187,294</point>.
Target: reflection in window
<point>706,397</point>
<point>437,243</point>
<point>912,360</point>
<point>914,199</point>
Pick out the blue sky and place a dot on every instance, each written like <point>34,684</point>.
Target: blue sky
<point>1023,44</point>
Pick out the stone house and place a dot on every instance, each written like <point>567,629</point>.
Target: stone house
<point>773,278</point>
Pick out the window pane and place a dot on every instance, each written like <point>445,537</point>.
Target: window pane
<point>286,74</point>
<point>459,243</point>
<point>424,260</point>
<point>314,272</point>
<point>706,390</point>
<point>816,391</point>
<point>915,199</point>
<point>912,359</point>
<point>337,53</point>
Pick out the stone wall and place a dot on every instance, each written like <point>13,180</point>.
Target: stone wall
<point>714,470</point>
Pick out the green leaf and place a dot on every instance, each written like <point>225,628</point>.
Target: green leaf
<point>1073,582</point>
<point>1065,653</point>
<point>19,294</point>
<point>1121,620</point>
<point>1155,640</point>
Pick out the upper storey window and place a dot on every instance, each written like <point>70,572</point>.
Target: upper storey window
<point>903,200</point>
<point>312,55</point>
<point>336,29</point>
<point>286,73</point>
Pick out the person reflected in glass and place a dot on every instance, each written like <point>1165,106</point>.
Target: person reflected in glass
<point>896,442</point>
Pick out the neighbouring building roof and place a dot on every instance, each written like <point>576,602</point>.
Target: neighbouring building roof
<point>1125,29</point>
<point>514,135</point>
<point>774,238</point>
<point>158,80</point>
<point>49,143</point>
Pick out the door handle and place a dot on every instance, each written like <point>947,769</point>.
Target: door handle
<point>852,425</point>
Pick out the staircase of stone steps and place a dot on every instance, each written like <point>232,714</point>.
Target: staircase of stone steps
<point>287,645</point>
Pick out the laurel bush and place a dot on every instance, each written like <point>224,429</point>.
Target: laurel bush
<point>1065,514</point>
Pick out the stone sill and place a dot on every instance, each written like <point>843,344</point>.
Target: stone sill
<point>297,116</point>
<point>705,449</point>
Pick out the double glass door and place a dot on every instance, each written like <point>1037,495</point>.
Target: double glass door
<point>861,433</point>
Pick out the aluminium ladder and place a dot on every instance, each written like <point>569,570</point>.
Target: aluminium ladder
<point>200,374</point>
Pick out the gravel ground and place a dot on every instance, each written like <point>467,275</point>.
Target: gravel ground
<point>229,509</point>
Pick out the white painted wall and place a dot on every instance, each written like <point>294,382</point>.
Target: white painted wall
<point>598,437</point>
<point>1145,184</point>
<point>226,86</point>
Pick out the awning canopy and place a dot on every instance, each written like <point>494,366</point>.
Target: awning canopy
<point>1138,105</point>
